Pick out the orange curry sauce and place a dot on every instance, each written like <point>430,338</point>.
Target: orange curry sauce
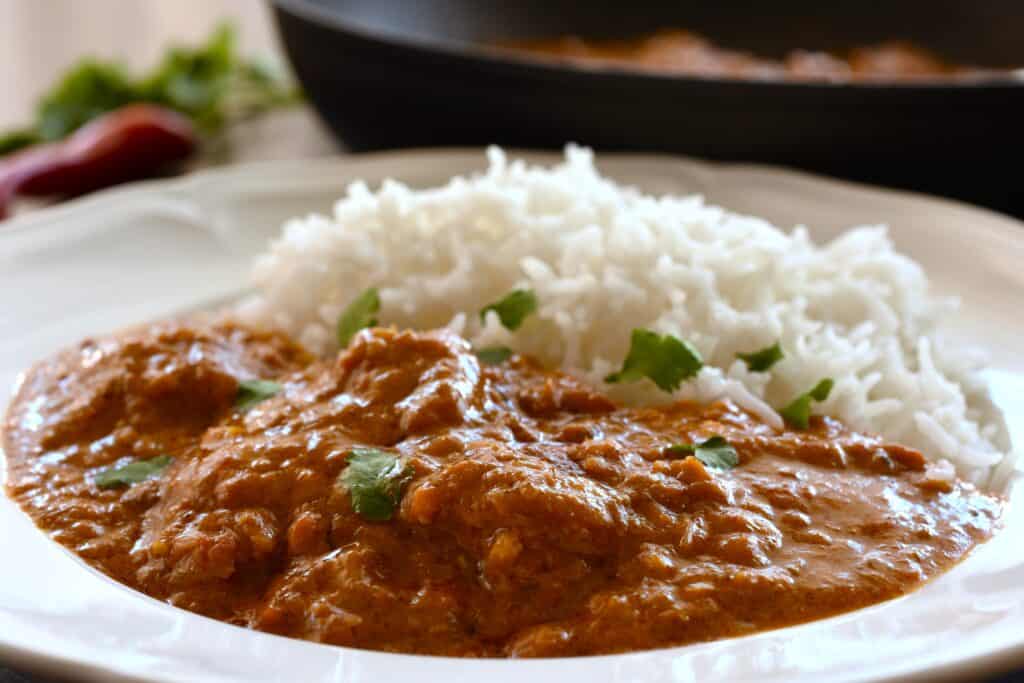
<point>684,53</point>
<point>540,518</point>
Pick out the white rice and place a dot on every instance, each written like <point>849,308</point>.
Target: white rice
<point>604,259</point>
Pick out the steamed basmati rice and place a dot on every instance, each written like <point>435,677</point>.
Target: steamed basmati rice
<point>604,259</point>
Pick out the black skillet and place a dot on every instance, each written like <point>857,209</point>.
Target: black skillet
<point>404,73</point>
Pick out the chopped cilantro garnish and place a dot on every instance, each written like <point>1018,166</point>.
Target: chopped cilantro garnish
<point>132,472</point>
<point>513,309</point>
<point>374,480</point>
<point>360,314</point>
<point>14,140</point>
<point>493,355</point>
<point>763,360</point>
<point>798,412</point>
<point>714,452</point>
<point>253,391</point>
<point>663,359</point>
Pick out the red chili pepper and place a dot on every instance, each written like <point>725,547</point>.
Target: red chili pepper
<point>133,142</point>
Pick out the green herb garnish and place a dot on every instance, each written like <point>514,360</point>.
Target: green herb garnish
<point>663,359</point>
<point>253,391</point>
<point>14,140</point>
<point>493,355</point>
<point>88,90</point>
<point>211,84</point>
<point>798,412</point>
<point>360,314</point>
<point>374,480</point>
<point>715,452</point>
<point>513,309</point>
<point>132,472</point>
<point>763,360</point>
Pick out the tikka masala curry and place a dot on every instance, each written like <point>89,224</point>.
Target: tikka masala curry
<point>410,496</point>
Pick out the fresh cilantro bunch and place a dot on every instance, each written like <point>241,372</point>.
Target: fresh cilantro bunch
<point>210,84</point>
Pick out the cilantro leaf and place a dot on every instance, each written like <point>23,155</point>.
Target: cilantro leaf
<point>361,313</point>
<point>763,360</point>
<point>714,452</point>
<point>213,86</point>
<point>663,359</point>
<point>131,473</point>
<point>14,140</point>
<point>253,391</point>
<point>494,355</point>
<point>374,480</point>
<point>513,309</point>
<point>257,87</point>
<point>195,81</point>
<point>89,90</point>
<point>798,412</point>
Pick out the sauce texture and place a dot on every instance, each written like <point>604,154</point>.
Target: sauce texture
<point>540,518</point>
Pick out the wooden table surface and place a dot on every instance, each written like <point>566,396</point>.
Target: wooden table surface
<point>40,38</point>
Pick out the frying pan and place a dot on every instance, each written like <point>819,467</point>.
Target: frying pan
<point>404,73</point>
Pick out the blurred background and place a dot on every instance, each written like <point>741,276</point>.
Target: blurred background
<point>41,39</point>
<point>382,74</point>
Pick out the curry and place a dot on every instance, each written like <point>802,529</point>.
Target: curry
<point>521,513</point>
<point>677,52</point>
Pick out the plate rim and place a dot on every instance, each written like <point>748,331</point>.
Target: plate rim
<point>207,176</point>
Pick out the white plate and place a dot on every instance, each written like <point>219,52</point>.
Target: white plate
<point>139,253</point>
